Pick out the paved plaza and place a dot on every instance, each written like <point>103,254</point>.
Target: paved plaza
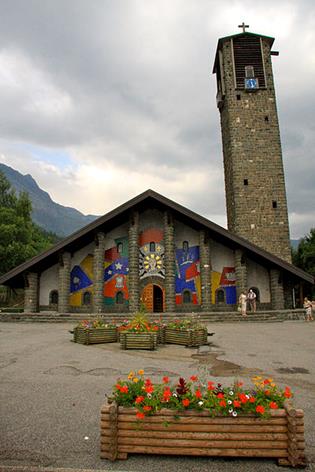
<point>51,390</point>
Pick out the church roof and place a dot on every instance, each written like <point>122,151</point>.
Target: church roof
<point>121,214</point>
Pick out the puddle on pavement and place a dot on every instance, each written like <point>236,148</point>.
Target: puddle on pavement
<point>292,370</point>
<point>74,371</point>
<point>222,368</point>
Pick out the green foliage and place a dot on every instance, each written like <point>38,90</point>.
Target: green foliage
<point>20,238</point>
<point>304,255</point>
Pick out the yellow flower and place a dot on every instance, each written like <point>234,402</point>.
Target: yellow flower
<point>141,372</point>
<point>131,375</point>
<point>135,379</point>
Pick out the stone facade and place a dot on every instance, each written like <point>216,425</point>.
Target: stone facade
<point>64,282</point>
<point>254,176</point>
<point>169,262</point>
<point>276,287</point>
<point>31,293</point>
<point>205,271</point>
<point>240,272</point>
<point>134,262</point>
<point>98,272</point>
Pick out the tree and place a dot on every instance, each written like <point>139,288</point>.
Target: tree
<point>304,255</point>
<point>20,238</point>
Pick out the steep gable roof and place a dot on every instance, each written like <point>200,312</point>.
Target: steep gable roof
<point>146,199</point>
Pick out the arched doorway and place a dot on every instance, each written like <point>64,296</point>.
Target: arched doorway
<point>153,298</point>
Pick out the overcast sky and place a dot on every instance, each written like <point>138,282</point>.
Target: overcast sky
<point>101,100</point>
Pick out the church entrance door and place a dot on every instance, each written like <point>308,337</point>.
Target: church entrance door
<point>153,298</point>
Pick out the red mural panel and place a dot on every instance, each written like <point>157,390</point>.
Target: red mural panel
<point>150,235</point>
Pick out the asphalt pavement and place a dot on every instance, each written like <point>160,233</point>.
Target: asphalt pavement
<point>51,390</point>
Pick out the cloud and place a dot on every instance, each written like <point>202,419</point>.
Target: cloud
<point>96,94</point>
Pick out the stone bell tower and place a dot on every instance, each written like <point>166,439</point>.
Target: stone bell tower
<point>254,177</point>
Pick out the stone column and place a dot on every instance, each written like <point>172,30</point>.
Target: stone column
<point>64,282</point>
<point>31,292</point>
<point>98,273</point>
<point>205,270</point>
<point>133,285</point>
<point>240,271</point>
<point>169,262</point>
<point>276,289</point>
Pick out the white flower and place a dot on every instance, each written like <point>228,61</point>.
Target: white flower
<point>229,402</point>
<point>234,413</point>
<point>231,392</point>
<point>200,403</point>
<point>247,396</point>
<point>149,395</point>
<point>231,410</point>
<point>174,394</point>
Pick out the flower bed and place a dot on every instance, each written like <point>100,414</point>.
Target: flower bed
<point>138,340</point>
<point>95,332</point>
<point>186,333</point>
<point>194,418</point>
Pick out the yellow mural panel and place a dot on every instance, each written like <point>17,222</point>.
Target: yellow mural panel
<point>215,282</point>
<point>198,287</point>
<point>75,298</point>
<point>87,266</point>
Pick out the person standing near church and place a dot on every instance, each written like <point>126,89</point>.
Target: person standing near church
<point>308,307</point>
<point>242,300</point>
<point>251,297</point>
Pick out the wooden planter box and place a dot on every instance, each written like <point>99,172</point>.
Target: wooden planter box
<point>130,340</point>
<point>197,434</point>
<point>187,337</point>
<point>94,335</point>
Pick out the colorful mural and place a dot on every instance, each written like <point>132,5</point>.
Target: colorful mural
<point>116,267</point>
<point>225,280</point>
<point>151,254</point>
<point>81,280</point>
<point>187,274</point>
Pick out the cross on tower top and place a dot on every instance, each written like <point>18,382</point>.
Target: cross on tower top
<point>243,26</point>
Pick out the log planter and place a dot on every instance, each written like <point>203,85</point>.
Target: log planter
<point>191,337</point>
<point>94,335</point>
<point>133,340</point>
<point>193,433</point>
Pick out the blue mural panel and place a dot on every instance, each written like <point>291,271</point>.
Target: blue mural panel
<point>230,293</point>
<point>78,279</point>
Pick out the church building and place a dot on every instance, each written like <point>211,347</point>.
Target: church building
<point>152,251</point>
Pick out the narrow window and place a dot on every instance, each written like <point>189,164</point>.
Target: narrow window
<point>249,72</point>
<point>87,298</point>
<point>266,119</point>
<point>152,246</point>
<point>186,296</point>
<point>274,204</point>
<point>238,97</point>
<point>120,248</point>
<point>119,298</point>
<point>245,181</point>
<point>185,246</point>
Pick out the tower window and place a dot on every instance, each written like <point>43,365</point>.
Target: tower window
<point>152,246</point>
<point>238,97</point>
<point>274,204</point>
<point>266,119</point>
<point>245,181</point>
<point>249,72</point>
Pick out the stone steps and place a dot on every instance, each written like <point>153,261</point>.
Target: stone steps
<point>215,317</point>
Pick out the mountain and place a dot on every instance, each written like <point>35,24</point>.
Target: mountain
<point>46,213</point>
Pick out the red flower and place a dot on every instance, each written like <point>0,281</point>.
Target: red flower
<point>139,399</point>
<point>185,402</point>
<point>287,392</point>
<point>252,399</point>
<point>149,389</point>
<point>118,386</point>
<point>236,403</point>
<point>220,395</point>
<point>166,379</point>
<point>222,403</point>
<point>243,397</point>
<point>210,386</point>
<point>266,382</point>
<point>140,415</point>
<point>273,405</point>
<point>240,384</point>
<point>124,389</point>
<point>260,409</point>
<point>198,394</point>
<point>267,392</point>
<point>147,408</point>
<point>147,382</point>
<point>194,378</point>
